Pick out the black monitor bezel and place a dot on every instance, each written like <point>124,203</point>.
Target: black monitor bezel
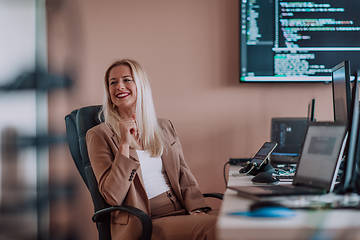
<point>346,66</point>
<point>355,178</point>
<point>352,140</point>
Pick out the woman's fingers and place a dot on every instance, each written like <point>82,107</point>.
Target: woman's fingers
<point>134,130</point>
<point>127,128</point>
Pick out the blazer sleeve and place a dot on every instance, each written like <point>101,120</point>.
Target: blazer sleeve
<point>113,171</point>
<point>190,191</point>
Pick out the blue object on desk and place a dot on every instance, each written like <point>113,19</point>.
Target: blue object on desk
<point>282,212</point>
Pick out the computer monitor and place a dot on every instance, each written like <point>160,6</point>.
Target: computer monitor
<point>311,113</point>
<point>296,41</point>
<point>289,134</point>
<point>352,142</point>
<point>351,176</point>
<point>355,178</point>
<point>341,88</point>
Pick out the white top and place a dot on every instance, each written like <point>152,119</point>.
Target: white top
<point>155,178</point>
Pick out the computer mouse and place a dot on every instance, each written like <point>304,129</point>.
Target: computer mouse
<point>270,209</point>
<point>265,177</point>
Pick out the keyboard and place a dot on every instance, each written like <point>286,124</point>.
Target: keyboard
<point>285,178</point>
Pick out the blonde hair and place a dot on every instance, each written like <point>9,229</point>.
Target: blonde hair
<point>150,133</point>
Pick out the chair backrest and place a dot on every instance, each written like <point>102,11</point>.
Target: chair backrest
<point>73,142</point>
<point>78,122</point>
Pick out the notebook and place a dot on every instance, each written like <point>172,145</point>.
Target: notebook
<point>289,134</point>
<point>318,164</point>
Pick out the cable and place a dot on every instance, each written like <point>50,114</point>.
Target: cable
<point>252,167</point>
<point>229,162</point>
<point>225,174</point>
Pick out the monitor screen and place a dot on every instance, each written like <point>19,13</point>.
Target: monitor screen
<point>289,134</point>
<point>297,41</point>
<point>320,154</point>
<point>341,88</point>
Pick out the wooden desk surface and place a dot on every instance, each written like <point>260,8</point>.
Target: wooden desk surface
<point>307,224</point>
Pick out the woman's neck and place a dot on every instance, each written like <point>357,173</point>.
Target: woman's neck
<point>126,114</point>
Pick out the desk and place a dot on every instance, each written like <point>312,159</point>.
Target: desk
<point>307,224</point>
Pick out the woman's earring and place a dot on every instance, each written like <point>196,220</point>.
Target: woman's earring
<point>114,106</point>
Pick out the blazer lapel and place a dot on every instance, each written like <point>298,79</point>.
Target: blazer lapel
<point>169,165</point>
<point>169,159</point>
<point>115,140</point>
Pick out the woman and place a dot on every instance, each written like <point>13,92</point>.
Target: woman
<point>138,161</point>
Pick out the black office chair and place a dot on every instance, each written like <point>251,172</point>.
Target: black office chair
<point>78,122</point>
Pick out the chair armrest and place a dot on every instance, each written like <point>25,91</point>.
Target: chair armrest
<point>141,215</point>
<point>214,195</point>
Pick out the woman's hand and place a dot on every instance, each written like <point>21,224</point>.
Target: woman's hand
<point>198,212</point>
<point>128,130</point>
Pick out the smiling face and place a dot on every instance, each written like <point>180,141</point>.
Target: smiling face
<point>122,90</point>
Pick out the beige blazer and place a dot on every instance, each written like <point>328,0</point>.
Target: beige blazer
<point>120,179</point>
